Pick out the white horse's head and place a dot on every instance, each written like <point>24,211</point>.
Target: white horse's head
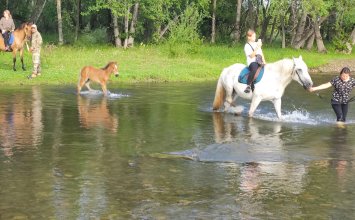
<point>300,73</point>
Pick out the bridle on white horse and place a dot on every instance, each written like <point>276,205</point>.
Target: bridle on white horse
<point>298,75</point>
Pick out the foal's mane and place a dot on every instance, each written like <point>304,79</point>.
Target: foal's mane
<point>108,65</point>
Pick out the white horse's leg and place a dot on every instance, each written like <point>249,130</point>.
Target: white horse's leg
<point>253,105</point>
<point>277,105</point>
<point>235,97</point>
<point>229,98</point>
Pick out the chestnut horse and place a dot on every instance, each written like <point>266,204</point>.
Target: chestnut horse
<point>100,76</point>
<point>20,35</point>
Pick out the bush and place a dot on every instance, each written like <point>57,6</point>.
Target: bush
<point>97,36</point>
<point>186,29</point>
<point>342,43</point>
<point>184,36</point>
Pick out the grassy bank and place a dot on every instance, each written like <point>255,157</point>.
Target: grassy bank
<point>61,65</point>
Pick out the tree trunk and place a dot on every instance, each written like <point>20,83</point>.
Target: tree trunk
<point>310,42</point>
<point>318,37</point>
<point>304,38</point>
<point>237,32</point>
<point>166,28</point>
<point>293,19</point>
<point>352,36</point>
<point>213,33</point>
<point>116,31</point>
<point>250,23</point>
<point>60,22</point>
<point>126,24</point>
<point>277,34</point>
<point>283,31</point>
<point>37,11</point>
<point>266,20</point>
<point>133,25</point>
<point>272,30</point>
<point>308,32</point>
<point>300,28</point>
<point>77,25</point>
<point>264,27</point>
<point>256,16</point>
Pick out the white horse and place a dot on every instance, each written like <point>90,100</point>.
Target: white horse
<point>270,88</point>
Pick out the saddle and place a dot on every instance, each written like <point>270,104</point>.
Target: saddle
<point>243,77</point>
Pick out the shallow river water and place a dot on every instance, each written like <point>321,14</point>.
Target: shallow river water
<point>157,151</point>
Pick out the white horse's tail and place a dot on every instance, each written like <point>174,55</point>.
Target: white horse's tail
<point>219,95</point>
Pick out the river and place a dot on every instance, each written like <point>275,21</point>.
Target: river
<point>157,151</point>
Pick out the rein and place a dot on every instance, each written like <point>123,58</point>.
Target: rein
<point>294,70</point>
<point>352,99</point>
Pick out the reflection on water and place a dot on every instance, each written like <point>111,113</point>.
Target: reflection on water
<point>228,128</point>
<point>64,156</point>
<point>21,121</point>
<point>340,151</point>
<point>240,139</point>
<point>94,113</point>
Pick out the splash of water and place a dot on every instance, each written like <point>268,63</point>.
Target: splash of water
<point>299,116</point>
<point>110,95</point>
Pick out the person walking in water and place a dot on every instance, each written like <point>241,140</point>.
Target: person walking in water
<point>343,85</point>
<point>253,52</point>
<point>36,43</point>
<point>7,26</point>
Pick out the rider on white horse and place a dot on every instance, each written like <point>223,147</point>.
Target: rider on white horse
<point>255,57</point>
<point>270,88</point>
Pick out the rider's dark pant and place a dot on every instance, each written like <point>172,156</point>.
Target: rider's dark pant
<point>340,109</point>
<point>253,67</point>
<point>6,36</point>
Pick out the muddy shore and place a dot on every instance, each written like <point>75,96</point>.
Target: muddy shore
<point>335,66</point>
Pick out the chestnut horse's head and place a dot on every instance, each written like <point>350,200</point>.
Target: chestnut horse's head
<point>113,66</point>
<point>26,27</point>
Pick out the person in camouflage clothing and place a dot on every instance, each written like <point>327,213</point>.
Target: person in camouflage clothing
<point>36,43</point>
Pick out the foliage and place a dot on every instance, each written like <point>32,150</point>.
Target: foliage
<point>61,65</point>
<point>97,36</point>
<point>186,29</point>
<point>117,8</point>
<point>156,15</point>
<point>349,16</point>
<point>317,7</point>
<point>342,42</point>
<point>184,35</point>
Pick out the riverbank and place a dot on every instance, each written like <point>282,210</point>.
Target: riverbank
<point>334,66</point>
<point>164,63</point>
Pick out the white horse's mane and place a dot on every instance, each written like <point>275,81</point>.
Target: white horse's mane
<point>285,65</point>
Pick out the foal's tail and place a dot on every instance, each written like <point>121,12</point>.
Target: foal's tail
<point>84,73</point>
<point>219,95</point>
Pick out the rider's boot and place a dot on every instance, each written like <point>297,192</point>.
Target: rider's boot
<point>247,90</point>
